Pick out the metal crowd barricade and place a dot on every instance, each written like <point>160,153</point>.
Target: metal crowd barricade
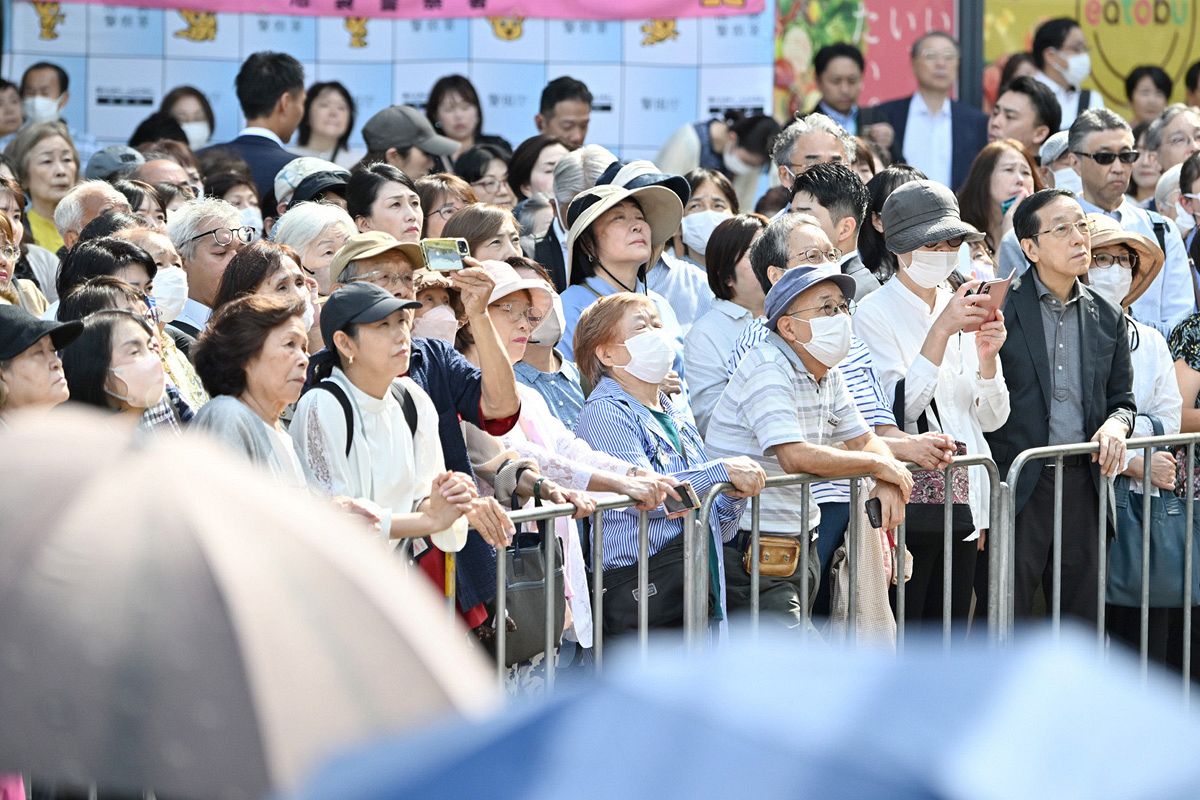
<point>1006,611</point>
<point>698,558</point>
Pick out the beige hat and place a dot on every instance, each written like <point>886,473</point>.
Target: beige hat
<point>509,281</point>
<point>372,243</point>
<point>1107,231</point>
<point>296,170</point>
<point>661,207</point>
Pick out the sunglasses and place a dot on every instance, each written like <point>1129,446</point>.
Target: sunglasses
<point>1105,158</point>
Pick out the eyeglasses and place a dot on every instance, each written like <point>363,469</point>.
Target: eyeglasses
<point>10,252</point>
<point>1104,158</point>
<point>446,211</point>
<point>1106,260</point>
<point>516,313</point>
<point>490,185</point>
<point>829,309</point>
<point>226,236</point>
<point>816,256</point>
<point>1062,230</point>
<point>930,58</point>
<point>385,280</point>
<point>1180,139</point>
<point>954,243</point>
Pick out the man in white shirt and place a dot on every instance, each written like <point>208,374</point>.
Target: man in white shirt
<point>1102,143</point>
<point>1061,55</point>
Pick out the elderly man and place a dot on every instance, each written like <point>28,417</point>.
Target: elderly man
<point>1174,136</point>
<point>83,204</point>
<point>575,172</point>
<point>207,233</point>
<point>813,139</point>
<point>1102,143</point>
<point>788,407</point>
<point>161,170</point>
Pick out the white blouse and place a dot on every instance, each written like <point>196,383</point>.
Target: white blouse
<point>1155,392</point>
<point>894,323</point>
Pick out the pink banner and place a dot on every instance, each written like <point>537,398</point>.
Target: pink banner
<point>500,12</point>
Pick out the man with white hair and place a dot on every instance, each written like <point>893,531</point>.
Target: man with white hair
<point>575,172</point>
<point>84,203</point>
<point>207,233</point>
<point>808,140</point>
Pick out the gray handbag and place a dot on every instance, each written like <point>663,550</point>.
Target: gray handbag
<point>525,593</point>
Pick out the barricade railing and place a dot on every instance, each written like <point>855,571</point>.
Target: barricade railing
<point>1056,455</point>
<point>697,575</point>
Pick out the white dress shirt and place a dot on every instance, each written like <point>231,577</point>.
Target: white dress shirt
<point>266,133</point>
<point>706,349</point>
<point>929,140</point>
<point>894,323</point>
<point>1155,391</point>
<point>195,314</point>
<point>1068,99</point>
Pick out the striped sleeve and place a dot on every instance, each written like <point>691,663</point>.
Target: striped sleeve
<point>863,384</point>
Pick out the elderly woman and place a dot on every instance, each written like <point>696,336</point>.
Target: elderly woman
<point>270,269</point>
<point>382,198</point>
<point>614,234</point>
<point>492,232</point>
<point>316,231</point>
<point>116,364</point>
<point>13,290</point>
<point>207,233</point>
<point>47,166</point>
<point>623,352</point>
<point>35,263</point>
<point>252,358</point>
<point>442,194</point>
<point>739,299</point>
<point>937,354</point>
<point>31,373</point>
<point>1124,264</point>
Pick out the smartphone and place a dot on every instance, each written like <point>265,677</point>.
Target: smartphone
<point>874,509</point>
<point>688,499</point>
<point>1005,205</point>
<point>444,255</point>
<point>991,295</point>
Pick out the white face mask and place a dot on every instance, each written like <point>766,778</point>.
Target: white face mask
<point>734,164</point>
<point>170,291</point>
<point>1112,283</point>
<point>144,381</point>
<point>698,228</point>
<point>1184,219</point>
<point>436,323</point>
<point>197,133</point>
<point>1079,66</point>
<point>830,340</point>
<point>930,267</point>
<point>650,356</point>
<point>310,314</point>
<point>550,331</point>
<point>1068,179</point>
<point>252,218</point>
<point>39,109</point>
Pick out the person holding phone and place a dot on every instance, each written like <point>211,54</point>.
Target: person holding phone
<point>947,377</point>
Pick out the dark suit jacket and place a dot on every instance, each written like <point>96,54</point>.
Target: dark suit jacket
<point>1107,378</point>
<point>265,158</point>
<point>547,251</point>
<point>968,130</point>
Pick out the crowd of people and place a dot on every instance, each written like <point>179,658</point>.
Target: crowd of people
<point>919,281</point>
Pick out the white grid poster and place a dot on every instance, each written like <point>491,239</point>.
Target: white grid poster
<point>648,77</point>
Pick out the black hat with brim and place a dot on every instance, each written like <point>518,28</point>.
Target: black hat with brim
<point>20,330</point>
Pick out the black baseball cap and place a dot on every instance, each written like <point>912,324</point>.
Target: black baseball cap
<point>317,184</point>
<point>20,330</point>
<point>358,302</point>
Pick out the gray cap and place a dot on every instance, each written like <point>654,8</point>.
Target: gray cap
<point>1053,148</point>
<point>113,162</point>
<point>404,126</point>
<point>923,213</point>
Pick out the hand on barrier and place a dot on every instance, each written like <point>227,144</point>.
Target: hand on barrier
<point>455,487</point>
<point>894,473</point>
<point>487,517</point>
<point>1162,470</point>
<point>926,450</point>
<point>1111,437</point>
<point>746,475</point>
<point>650,490</point>
<point>442,511</point>
<point>672,384</point>
<point>891,502</point>
<point>584,504</point>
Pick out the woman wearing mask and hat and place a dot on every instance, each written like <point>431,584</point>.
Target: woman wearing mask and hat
<point>441,312</point>
<point>543,368</point>
<point>945,378</point>
<point>1124,264</point>
<point>31,373</point>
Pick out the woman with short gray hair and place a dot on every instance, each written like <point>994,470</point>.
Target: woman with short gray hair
<point>316,231</point>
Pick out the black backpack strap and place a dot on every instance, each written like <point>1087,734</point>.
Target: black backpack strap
<point>344,402</point>
<point>407,403</point>
<point>898,410</point>
<point>1085,101</point>
<point>1160,230</point>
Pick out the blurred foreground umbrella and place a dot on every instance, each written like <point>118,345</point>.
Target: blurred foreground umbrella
<point>775,720</point>
<point>172,620</point>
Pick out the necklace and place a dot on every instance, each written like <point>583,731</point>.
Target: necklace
<point>618,280</point>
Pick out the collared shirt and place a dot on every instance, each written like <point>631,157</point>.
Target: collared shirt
<point>614,422</point>
<point>847,121</point>
<point>929,140</point>
<point>1170,298</point>
<point>266,133</point>
<point>865,281</point>
<point>195,314</point>
<point>560,389</point>
<point>858,371</point>
<point>1068,99</point>
<point>706,349</point>
<point>684,285</point>
<point>772,399</point>
<point>1060,323</point>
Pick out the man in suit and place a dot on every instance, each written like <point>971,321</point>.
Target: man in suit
<point>575,172</point>
<point>933,133</point>
<point>1067,365</point>
<point>837,198</point>
<point>839,69</point>
<point>270,89</point>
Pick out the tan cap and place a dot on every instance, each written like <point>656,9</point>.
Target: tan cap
<point>372,243</point>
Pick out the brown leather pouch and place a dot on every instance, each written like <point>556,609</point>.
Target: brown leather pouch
<point>778,556</point>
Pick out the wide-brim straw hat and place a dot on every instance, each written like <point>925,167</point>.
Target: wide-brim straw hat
<point>1107,231</point>
<point>659,205</point>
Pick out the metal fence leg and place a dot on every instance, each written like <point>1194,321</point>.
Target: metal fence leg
<point>501,613</point>
<point>755,568</point>
<point>691,581</point>
<point>1056,609</point>
<point>901,589</point>
<point>1102,544</point>
<point>549,538</point>
<point>805,542</point>
<point>598,589</point>
<point>947,555</point>
<point>643,582</point>
<point>853,532</point>
<point>1188,566</point>
<point>1144,602</point>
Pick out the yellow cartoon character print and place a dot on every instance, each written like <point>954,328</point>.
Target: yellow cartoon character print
<point>50,17</point>
<point>658,30</point>
<point>507,29</point>
<point>357,28</point>
<point>201,26</point>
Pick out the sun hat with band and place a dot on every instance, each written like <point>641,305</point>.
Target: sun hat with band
<point>1107,231</point>
<point>20,330</point>
<point>368,245</point>
<point>509,281</point>
<point>636,174</point>
<point>660,206</point>
<point>921,214</point>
